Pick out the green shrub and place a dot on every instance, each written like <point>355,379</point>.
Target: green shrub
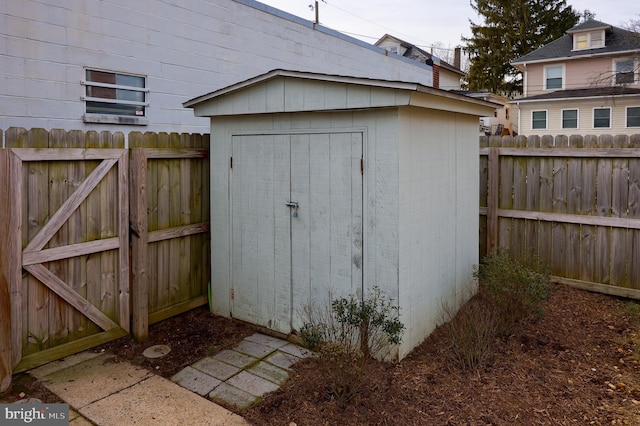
<point>347,335</point>
<point>510,293</point>
<point>515,287</point>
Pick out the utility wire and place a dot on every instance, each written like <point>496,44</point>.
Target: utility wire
<point>391,30</point>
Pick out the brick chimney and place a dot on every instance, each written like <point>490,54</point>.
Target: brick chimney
<point>457,60</point>
<point>436,72</point>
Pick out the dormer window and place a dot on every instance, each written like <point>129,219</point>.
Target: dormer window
<point>588,40</point>
<point>392,49</point>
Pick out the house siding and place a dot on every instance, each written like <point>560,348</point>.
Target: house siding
<point>585,116</point>
<point>183,48</point>
<point>582,73</point>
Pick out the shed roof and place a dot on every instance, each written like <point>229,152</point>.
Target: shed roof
<point>297,91</point>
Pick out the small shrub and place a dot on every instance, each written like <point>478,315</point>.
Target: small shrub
<point>515,287</point>
<point>347,335</point>
<point>470,332</point>
<point>510,293</point>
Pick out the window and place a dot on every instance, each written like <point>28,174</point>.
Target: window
<point>392,49</point>
<point>590,40</point>
<point>601,118</point>
<point>538,119</point>
<point>553,77</point>
<point>597,39</point>
<point>624,71</point>
<point>506,113</point>
<point>633,116</point>
<point>114,94</point>
<point>569,118</point>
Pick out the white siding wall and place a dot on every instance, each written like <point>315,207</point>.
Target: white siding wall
<point>186,48</point>
<point>585,117</point>
<point>438,216</point>
<point>380,187</point>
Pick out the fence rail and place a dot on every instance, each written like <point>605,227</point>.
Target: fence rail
<point>574,201</point>
<point>66,237</point>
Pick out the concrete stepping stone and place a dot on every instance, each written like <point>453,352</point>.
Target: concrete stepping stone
<point>282,360</point>
<point>158,401</point>
<point>265,340</point>
<point>255,350</point>
<point>270,372</point>
<point>93,380</point>
<point>235,358</point>
<point>296,350</point>
<point>195,381</point>
<point>216,368</point>
<point>251,383</point>
<point>229,395</point>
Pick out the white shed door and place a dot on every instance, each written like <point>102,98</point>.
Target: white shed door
<point>284,258</point>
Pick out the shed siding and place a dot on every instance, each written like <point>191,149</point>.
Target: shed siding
<point>438,216</point>
<point>380,188</point>
<point>184,48</point>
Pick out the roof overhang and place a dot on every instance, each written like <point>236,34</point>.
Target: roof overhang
<point>274,91</point>
<point>520,65</point>
<point>573,98</point>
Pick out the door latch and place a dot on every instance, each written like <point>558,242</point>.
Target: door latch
<point>293,205</point>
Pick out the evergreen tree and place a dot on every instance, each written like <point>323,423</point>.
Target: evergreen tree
<point>511,29</point>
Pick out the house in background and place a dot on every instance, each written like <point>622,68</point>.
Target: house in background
<point>586,82</point>
<point>445,76</point>
<point>498,124</point>
<point>129,66</point>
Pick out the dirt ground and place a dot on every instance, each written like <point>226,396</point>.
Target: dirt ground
<point>578,364</point>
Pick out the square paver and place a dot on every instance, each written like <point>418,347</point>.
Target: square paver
<point>254,349</point>
<point>265,340</point>
<point>270,372</point>
<point>251,383</point>
<point>296,350</point>
<point>282,359</point>
<point>158,401</point>
<point>216,368</point>
<point>229,395</point>
<point>195,380</point>
<point>235,358</point>
<point>93,379</point>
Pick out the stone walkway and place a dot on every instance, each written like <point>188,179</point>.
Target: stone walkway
<point>102,391</point>
<point>240,377</point>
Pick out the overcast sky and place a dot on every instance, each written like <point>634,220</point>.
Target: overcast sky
<point>426,22</point>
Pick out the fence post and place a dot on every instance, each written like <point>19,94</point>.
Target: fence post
<point>6,360</point>
<point>139,241</point>
<point>493,178</point>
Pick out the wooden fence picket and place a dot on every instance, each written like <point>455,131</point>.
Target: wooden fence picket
<point>573,201</point>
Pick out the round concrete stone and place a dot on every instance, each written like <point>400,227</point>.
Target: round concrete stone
<point>157,351</point>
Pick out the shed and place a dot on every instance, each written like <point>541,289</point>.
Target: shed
<point>334,184</point>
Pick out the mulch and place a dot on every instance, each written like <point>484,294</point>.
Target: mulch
<point>578,364</point>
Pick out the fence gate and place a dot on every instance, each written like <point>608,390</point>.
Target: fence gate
<point>67,242</point>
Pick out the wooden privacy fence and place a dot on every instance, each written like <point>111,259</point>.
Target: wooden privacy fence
<point>97,240</point>
<point>573,201</point>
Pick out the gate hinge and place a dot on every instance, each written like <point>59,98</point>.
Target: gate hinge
<point>231,162</point>
<point>361,166</point>
<point>233,294</point>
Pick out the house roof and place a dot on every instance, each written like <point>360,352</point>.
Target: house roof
<point>286,91</point>
<point>412,48</point>
<point>617,40</point>
<point>593,92</point>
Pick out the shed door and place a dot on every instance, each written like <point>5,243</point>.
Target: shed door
<point>281,261</point>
